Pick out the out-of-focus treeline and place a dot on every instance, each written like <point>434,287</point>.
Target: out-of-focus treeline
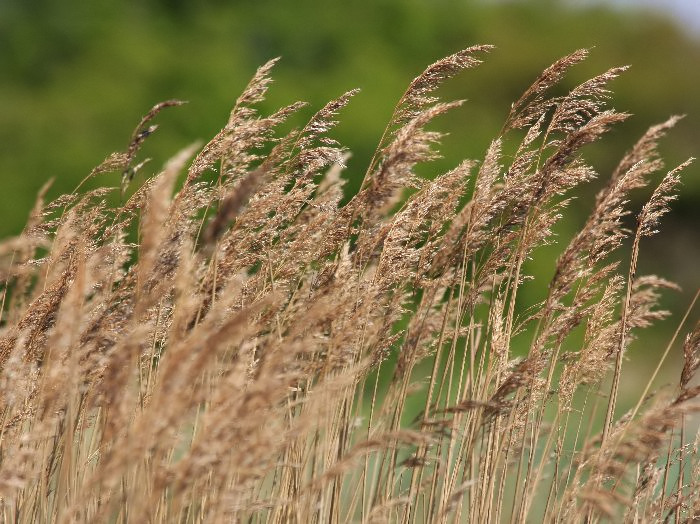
<point>75,78</point>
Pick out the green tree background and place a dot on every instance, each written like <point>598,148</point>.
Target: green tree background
<point>75,78</point>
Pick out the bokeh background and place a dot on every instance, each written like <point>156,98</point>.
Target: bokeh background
<point>76,77</point>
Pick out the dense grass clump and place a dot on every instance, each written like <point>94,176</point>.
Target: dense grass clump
<point>240,342</point>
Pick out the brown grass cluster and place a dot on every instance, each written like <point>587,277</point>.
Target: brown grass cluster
<point>239,343</point>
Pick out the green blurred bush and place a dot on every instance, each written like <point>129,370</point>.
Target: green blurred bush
<point>77,76</point>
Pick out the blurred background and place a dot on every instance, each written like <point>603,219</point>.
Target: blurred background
<point>76,77</point>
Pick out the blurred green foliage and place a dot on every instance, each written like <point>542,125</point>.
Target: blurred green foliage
<point>77,76</point>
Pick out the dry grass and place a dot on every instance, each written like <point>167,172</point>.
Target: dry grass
<point>256,351</point>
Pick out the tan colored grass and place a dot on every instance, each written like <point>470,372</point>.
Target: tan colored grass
<point>258,351</point>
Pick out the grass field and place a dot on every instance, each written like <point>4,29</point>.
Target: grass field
<point>239,340</point>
